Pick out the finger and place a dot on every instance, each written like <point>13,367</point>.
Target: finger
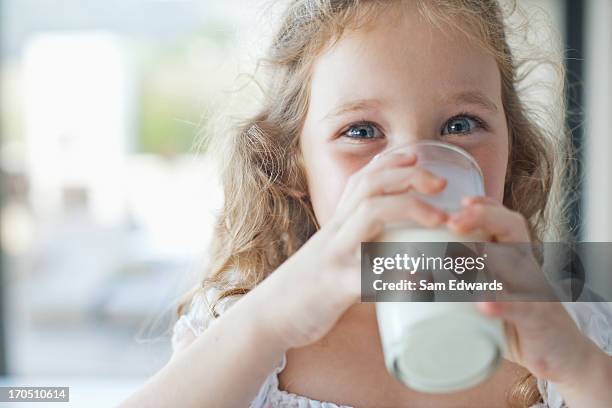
<point>467,201</point>
<point>397,180</point>
<point>526,314</point>
<point>390,181</point>
<point>348,197</point>
<point>388,160</point>
<point>368,221</point>
<point>512,341</point>
<point>502,224</point>
<point>400,179</point>
<point>493,309</point>
<point>385,161</point>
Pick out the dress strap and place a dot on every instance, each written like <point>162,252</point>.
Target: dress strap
<point>279,398</point>
<point>270,384</point>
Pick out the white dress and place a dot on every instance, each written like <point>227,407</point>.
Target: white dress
<point>594,320</point>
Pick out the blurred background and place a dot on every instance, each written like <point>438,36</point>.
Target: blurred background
<point>107,199</point>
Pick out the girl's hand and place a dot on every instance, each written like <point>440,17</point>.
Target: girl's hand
<point>307,294</point>
<point>541,336</point>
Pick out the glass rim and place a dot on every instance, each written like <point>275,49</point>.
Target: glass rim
<point>445,145</point>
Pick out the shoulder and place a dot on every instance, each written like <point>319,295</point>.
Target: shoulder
<point>198,317</point>
<point>200,313</point>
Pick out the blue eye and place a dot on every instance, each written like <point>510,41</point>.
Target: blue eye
<point>461,125</point>
<point>362,131</point>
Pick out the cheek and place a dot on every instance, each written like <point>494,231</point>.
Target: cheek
<point>493,163</point>
<point>327,172</point>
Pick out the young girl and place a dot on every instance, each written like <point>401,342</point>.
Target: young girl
<point>352,79</point>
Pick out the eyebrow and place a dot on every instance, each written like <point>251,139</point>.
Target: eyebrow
<point>476,98</point>
<point>354,106</point>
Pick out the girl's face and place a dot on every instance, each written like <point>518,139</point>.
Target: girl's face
<point>398,83</point>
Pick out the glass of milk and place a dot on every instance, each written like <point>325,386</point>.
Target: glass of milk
<point>439,347</point>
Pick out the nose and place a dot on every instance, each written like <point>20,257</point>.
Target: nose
<point>407,136</point>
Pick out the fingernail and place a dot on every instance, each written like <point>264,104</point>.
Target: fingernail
<point>483,306</point>
<point>408,155</point>
<point>454,218</point>
<point>467,200</point>
<point>493,307</point>
<point>439,217</point>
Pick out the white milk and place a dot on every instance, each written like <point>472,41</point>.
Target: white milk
<point>437,346</point>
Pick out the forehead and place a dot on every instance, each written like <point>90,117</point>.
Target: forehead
<point>406,57</point>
